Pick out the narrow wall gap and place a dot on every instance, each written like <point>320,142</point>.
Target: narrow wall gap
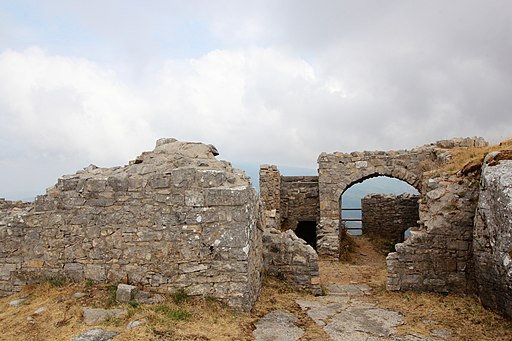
<point>307,230</point>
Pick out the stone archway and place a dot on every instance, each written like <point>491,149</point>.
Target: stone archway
<point>339,171</point>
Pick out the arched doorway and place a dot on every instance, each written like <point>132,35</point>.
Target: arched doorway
<point>380,207</point>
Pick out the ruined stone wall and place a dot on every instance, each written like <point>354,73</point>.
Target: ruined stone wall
<point>389,215</point>
<point>289,258</point>
<point>338,171</point>
<point>437,255</point>
<point>287,199</point>
<point>173,218</point>
<point>270,194</point>
<point>299,200</point>
<point>492,236</point>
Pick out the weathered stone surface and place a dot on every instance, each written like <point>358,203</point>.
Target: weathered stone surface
<point>492,236</point>
<point>135,324</point>
<point>289,258</point>
<point>98,315</point>
<point>338,171</point>
<point>277,325</point>
<point>125,293</point>
<point>96,334</point>
<point>344,318</point>
<point>174,218</point>
<point>388,215</point>
<point>437,256</point>
<point>144,297</point>
<point>288,200</point>
<point>19,301</point>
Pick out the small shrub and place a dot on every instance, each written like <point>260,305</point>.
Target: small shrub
<point>180,296</point>
<point>209,299</point>
<point>57,281</point>
<point>89,283</point>
<point>112,289</point>
<point>113,321</point>
<point>134,304</point>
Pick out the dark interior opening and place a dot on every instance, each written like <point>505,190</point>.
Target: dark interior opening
<point>307,231</point>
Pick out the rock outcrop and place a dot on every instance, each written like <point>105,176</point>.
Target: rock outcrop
<point>492,236</point>
<point>174,218</point>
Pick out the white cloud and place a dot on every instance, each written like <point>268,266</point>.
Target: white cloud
<point>286,81</point>
<point>65,105</point>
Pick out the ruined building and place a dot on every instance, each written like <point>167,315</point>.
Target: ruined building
<point>174,218</point>
<point>178,218</point>
<point>450,249</point>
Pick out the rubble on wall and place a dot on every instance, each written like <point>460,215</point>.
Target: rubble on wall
<point>389,215</point>
<point>437,256</point>
<point>289,258</point>
<point>492,236</point>
<point>174,218</point>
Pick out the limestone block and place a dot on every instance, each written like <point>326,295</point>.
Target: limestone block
<point>125,293</point>
<point>96,272</point>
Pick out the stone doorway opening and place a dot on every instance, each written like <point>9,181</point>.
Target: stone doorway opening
<point>307,230</point>
<point>379,206</point>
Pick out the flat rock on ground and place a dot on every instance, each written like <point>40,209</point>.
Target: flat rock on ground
<point>277,326</point>
<point>97,315</point>
<point>341,315</point>
<point>96,334</point>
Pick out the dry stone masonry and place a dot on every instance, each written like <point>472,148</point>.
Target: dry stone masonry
<point>389,215</point>
<point>437,256</point>
<point>174,218</point>
<point>338,171</point>
<point>289,258</point>
<point>299,201</point>
<point>177,218</point>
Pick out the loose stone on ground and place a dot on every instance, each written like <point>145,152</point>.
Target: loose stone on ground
<point>98,315</point>
<point>96,334</point>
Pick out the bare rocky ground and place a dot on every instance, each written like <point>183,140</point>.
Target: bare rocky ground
<point>356,306</point>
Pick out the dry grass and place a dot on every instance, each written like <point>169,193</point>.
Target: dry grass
<point>207,319</point>
<point>464,156</point>
<point>462,315</point>
<point>192,319</point>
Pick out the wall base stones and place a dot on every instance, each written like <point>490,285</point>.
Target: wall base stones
<point>437,255</point>
<point>492,236</point>
<point>174,218</point>
<point>289,258</point>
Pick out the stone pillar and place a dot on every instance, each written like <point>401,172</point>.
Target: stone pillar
<point>270,193</point>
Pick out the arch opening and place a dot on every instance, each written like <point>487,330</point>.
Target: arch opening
<point>379,206</point>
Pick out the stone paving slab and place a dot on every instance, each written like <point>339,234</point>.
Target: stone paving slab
<point>277,326</point>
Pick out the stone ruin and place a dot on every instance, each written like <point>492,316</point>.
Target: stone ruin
<point>178,218</point>
<point>389,216</point>
<point>450,248</point>
<point>174,218</point>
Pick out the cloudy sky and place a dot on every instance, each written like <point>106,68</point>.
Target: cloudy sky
<point>98,81</point>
